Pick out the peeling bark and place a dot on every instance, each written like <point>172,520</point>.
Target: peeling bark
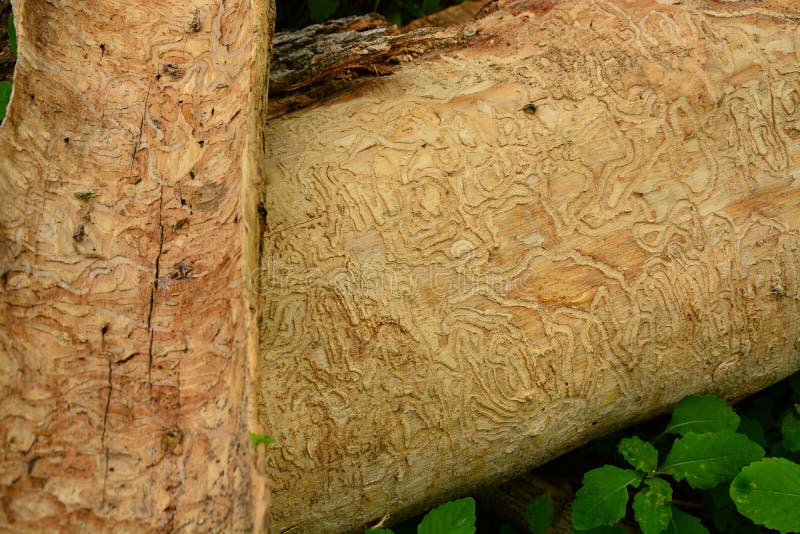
<point>7,58</point>
<point>354,44</point>
<point>132,158</point>
<point>583,213</point>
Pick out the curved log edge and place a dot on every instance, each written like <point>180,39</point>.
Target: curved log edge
<point>459,285</point>
<point>131,158</point>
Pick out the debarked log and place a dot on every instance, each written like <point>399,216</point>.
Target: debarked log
<point>564,224</point>
<point>130,161</point>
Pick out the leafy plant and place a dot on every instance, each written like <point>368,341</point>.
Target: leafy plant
<point>84,196</point>
<point>5,96</point>
<point>604,496</point>
<point>768,492</point>
<point>715,450</point>
<point>705,460</point>
<point>454,517</point>
<point>539,514</point>
<point>257,439</point>
<point>12,35</point>
<point>6,86</point>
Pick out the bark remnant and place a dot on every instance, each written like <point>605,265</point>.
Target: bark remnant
<point>353,44</point>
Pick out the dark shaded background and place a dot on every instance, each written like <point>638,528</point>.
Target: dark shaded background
<point>7,58</point>
<point>294,14</point>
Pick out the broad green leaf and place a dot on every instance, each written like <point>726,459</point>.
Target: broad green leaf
<point>752,429</point>
<point>768,492</point>
<point>640,454</point>
<point>12,35</point>
<point>5,96</point>
<point>539,514</point>
<point>321,10</point>
<point>603,497</point>
<point>256,439</point>
<point>602,530</point>
<point>651,506</point>
<point>454,517</point>
<point>700,414</point>
<point>683,523</point>
<point>790,428</point>
<point>378,531</point>
<point>705,460</point>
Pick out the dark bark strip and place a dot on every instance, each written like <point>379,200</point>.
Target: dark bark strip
<point>7,57</point>
<point>154,287</point>
<point>340,47</point>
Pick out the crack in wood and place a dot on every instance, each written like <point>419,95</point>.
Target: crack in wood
<point>103,435</point>
<point>141,129</point>
<point>154,287</point>
<point>105,414</point>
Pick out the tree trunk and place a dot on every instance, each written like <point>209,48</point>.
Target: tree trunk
<point>563,225</point>
<point>131,168</point>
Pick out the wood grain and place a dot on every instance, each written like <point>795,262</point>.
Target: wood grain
<point>126,346</point>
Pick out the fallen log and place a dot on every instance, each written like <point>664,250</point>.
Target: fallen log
<point>559,226</point>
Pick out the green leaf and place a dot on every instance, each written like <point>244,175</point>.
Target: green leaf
<point>640,454</point>
<point>651,506</point>
<point>752,429</point>
<point>454,517</point>
<point>321,10</point>
<point>5,96</point>
<point>12,34</point>
<point>539,514</point>
<point>705,460</point>
<point>700,414</point>
<point>768,492</point>
<point>790,428</point>
<point>603,497</point>
<point>255,439</point>
<point>683,523</point>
